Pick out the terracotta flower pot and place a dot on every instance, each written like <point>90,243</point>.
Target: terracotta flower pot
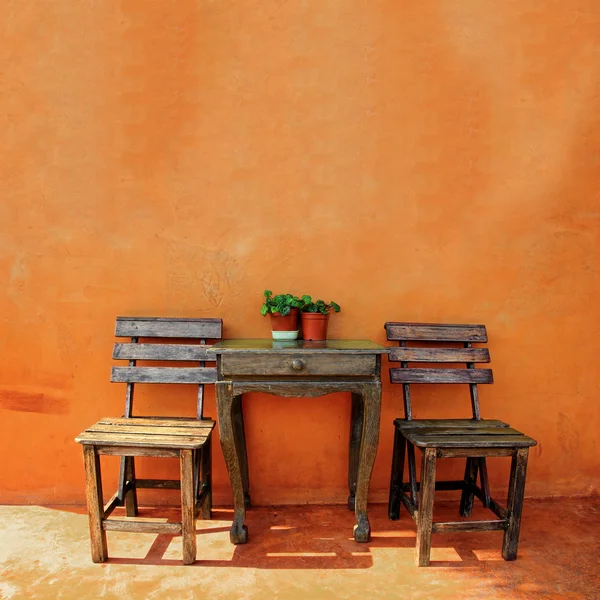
<point>314,326</point>
<point>285,323</point>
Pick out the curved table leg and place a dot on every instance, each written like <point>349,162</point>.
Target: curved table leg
<point>225,402</point>
<point>239,433</point>
<point>371,397</point>
<point>356,427</point>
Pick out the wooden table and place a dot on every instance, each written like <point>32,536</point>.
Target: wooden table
<point>296,369</point>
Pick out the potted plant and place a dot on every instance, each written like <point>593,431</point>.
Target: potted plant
<point>315,318</point>
<point>283,311</point>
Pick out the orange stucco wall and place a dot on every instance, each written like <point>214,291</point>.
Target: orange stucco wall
<point>426,161</point>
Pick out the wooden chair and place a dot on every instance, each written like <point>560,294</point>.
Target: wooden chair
<point>188,439</point>
<point>475,439</point>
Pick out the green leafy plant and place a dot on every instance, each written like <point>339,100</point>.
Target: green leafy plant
<point>318,306</point>
<point>282,303</point>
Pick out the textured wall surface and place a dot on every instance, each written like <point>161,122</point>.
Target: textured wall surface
<point>428,161</point>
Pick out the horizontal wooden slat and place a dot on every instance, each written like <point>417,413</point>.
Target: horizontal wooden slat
<point>435,332</point>
<point>411,375</point>
<point>162,352</point>
<point>159,422</point>
<point>452,526</point>
<point>473,452</point>
<point>469,441</point>
<point>168,327</point>
<point>418,423</point>
<point>164,374</point>
<point>163,484</point>
<point>148,429</point>
<point>140,441</point>
<point>440,355</point>
<point>141,526</point>
<point>436,431</point>
<point>137,451</point>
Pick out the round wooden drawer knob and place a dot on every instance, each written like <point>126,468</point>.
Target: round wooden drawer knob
<point>297,364</point>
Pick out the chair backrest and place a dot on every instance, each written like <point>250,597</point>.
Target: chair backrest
<point>171,350</point>
<point>437,337</point>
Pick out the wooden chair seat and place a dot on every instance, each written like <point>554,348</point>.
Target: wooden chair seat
<point>186,439</point>
<point>467,437</point>
<point>462,433</point>
<point>475,439</point>
<point>148,433</point>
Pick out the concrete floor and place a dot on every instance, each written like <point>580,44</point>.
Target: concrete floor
<point>302,552</point>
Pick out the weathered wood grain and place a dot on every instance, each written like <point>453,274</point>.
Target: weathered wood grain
<point>448,423</point>
<point>355,438</point>
<point>93,493</point>
<point>300,370</point>
<point>131,503</point>
<point>225,400</point>
<point>371,395</point>
<point>461,431</point>
<point>200,396</point>
<point>466,498</point>
<point>132,451</point>
<point>164,375</point>
<point>396,485</point>
<point>456,526</point>
<point>110,506</point>
<point>483,476</point>
<point>155,327</point>
<point>239,432</point>
<point>148,429</point>
<point>142,440</point>
<point>425,514</point>
<point>435,332</point>
<point>186,352</point>
<point>468,441</point>
<point>412,475</point>
<point>127,466</point>
<point>452,376</point>
<point>474,439</point>
<point>160,422</point>
<point>474,452</point>
<point>188,507</point>
<point>136,526</point>
<point>163,484</point>
<point>294,365</point>
<point>205,496</point>
<point>439,355</point>
<point>474,394</point>
<point>514,508</point>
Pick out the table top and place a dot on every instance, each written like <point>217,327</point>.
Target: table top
<point>270,346</point>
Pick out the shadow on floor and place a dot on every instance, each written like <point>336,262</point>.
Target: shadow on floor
<point>303,552</point>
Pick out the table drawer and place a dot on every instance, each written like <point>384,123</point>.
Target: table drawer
<point>298,365</point>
